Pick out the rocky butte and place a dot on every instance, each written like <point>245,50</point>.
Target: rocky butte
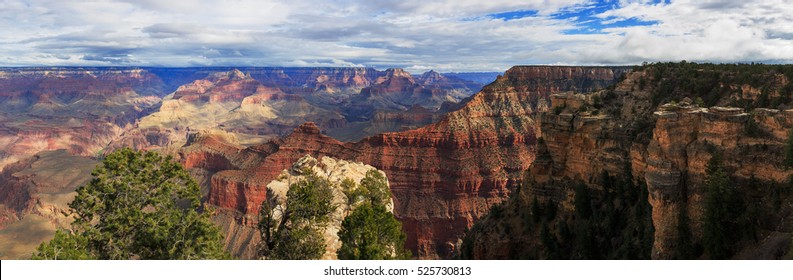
<point>443,176</point>
<point>335,171</point>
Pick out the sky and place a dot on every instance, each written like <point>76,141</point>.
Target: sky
<point>418,35</point>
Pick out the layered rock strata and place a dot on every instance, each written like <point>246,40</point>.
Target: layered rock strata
<point>682,144</point>
<point>443,176</point>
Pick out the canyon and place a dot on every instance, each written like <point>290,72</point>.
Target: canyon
<point>88,112</point>
<point>463,160</point>
<point>443,176</point>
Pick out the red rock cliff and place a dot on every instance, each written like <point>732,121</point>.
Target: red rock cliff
<point>443,176</point>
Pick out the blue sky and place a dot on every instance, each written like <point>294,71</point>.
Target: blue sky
<point>419,35</point>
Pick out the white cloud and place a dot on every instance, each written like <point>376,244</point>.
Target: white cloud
<point>447,35</point>
<point>715,30</point>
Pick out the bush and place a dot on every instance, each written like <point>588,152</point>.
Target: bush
<point>723,207</point>
<point>583,202</point>
<point>789,150</point>
<point>371,232</point>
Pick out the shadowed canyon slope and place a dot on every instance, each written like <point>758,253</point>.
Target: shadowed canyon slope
<point>443,176</point>
<point>34,194</point>
<point>627,132</point>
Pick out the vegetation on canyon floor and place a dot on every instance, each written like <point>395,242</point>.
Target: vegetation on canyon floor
<point>610,224</point>
<point>735,215</point>
<point>605,216</point>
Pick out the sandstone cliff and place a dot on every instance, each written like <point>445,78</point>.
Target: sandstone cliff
<point>443,176</point>
<point>683,138</point>
<point>661,125</point>
<point>91,111</point>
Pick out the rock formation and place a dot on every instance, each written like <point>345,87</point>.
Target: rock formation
<point>334,171</point>
<point>80,110</point>
<point>231,101</point>
<point>681,147</point>
<point>34,197</point>
<point>649,127</point>
<point>443,176</point>
<point>92,111</point>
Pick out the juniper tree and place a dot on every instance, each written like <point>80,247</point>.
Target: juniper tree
<point>137,206</point>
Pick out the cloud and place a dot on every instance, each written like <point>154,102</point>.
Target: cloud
<point>446,35</point>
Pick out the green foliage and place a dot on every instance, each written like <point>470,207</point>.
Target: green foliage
<point>583,202</point>
<point>371,232</point>
<point>350,190</point>
<point>548,240</point>
<point>375,186</point>
<point>139,206</point>
<point>536,212</point>
<point>558,110</point>
<point>699,101</point>
<point>752,129</point>
<point>685,247</point>
<point>714,83</point>
<point>300,242</point>
<point>293,232</point>
<point>585,246</point>
<point>789,150</point>
<point>550,210</point>
<point>618,223</point>
<point>723,207</point>
<point>597,102</point>
<point>64,246</point>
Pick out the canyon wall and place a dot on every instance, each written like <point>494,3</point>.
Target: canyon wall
<point>80,110</point>
<point>683,140</point>
<point>443,176</point>
<point>661,126</point>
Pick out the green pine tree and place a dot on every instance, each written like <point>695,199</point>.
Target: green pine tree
<point>64,246</point>
<point>371,232</point>
<point>582,201</point>
<point>137,206</point>
<point>293,232</point>
<point>685,246</point>
<point>723,208</point>
<point>789,150</point>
